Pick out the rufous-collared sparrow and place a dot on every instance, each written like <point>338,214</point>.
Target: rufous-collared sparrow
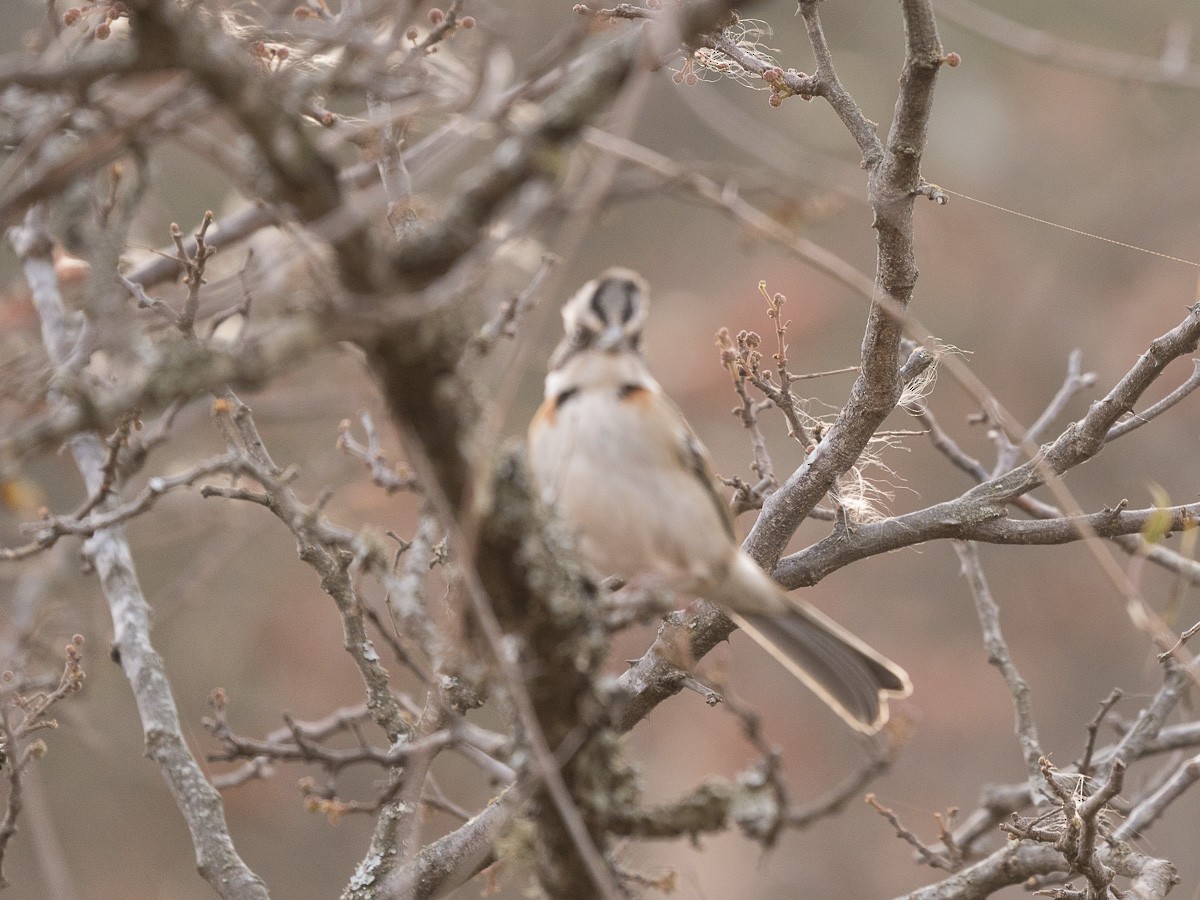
<point>618,461</point>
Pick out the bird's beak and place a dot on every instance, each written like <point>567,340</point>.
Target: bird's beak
<point>611,338</point>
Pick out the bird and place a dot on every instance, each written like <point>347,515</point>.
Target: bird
<point>617,461</point>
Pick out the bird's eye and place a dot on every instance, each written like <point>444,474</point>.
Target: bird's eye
<point>583,336</point>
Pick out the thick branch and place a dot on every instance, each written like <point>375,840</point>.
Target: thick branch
<point>891,188</point>
<point>961,520</point>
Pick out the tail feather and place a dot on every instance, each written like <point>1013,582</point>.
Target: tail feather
<point>847,674</point>
<point>853,683</point>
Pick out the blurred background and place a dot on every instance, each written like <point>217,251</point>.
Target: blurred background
<point>233,608</point>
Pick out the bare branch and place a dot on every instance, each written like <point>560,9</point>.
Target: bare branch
<point>892,184</point>
<point>109,552</point>
<point>1000,657</point>
<point>1168,70</point>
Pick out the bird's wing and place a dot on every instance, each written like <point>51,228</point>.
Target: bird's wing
<point>695,458</point>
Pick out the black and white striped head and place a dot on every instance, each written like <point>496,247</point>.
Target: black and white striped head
<point>606,314</point>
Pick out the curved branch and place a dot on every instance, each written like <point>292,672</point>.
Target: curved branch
<point>893,181</point>
<point>199,803</point>
<point>1170,70</point>
<point>960,520</point>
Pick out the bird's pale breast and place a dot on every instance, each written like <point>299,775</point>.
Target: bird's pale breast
<point>611,462</point>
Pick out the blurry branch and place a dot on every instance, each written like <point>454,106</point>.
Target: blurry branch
<point>147,115</point>
<point>169,37</point>
<point>437,147</point>
<point>173,370</point>
<point>725,196</point>
<point>109,552</point>
<point>533,592</point>
<point>1172,69</point>
<point>385,476</point>
<point>22,716</point>
<point>749,801</point>
<point>405,597</point>
<point>504,323</point>
<point>97,61</point>
<point>51,528</point>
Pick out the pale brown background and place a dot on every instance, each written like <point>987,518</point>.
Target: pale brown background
<point>233,607</point>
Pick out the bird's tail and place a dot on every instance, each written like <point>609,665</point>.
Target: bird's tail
<point>851,677</point>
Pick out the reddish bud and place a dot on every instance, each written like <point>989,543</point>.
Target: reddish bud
<point>411,34</point>
<point>691,78</point>
<point>436,16</point>
<point>952,59</point>
<point>467,21</point>
<point>677,78</point>
<point>653,4</point>
<point>71,16</point>
<point>775,100</point>
<point>102,31</point>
